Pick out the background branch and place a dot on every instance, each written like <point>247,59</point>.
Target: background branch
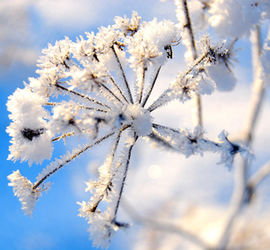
<point>259,176</point>
<point>192,48</point>
<point>241,173</point>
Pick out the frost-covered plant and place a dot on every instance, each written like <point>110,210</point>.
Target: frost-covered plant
<point>98,89</point>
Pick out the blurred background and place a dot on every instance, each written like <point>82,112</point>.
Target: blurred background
<point>160,184</point>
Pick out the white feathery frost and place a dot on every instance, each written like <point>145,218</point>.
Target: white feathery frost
<point>29,129</point>
<point>23,189</point>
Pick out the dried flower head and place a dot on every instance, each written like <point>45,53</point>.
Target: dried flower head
<point>84,90</point>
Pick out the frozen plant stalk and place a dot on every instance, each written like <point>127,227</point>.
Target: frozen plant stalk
<point>101,102</point>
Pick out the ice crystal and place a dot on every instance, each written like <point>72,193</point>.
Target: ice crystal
<point>23,189</point>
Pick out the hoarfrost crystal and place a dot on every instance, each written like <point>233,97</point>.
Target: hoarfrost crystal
<point>23,189</point>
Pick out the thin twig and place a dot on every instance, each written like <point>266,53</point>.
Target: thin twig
<point>196,63</point>
<point>141,85</point>
<point>51,103</point>
<point>193,49</point>
<point>154,105</point>
<point>172,130</point>
<point>158,126</point>
<point>69,159</point>
<point>63,136</point>
<point>151,87</point>
<point>117,87</point>
<point>198,121</point>
<point>124,178</point>
<point>81,95</point>
<point>160,140</point>
<point>115,146</point>
<point>188,26</point>
<point>114,84</point>
<point>160,101</point>
<point>123,74</point>
<point>79,106</point>
<point>100,84</point>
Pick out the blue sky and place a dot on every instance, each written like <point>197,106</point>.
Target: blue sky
<point>55,224</point>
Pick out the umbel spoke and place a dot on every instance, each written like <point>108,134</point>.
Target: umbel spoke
<point>55,166</point>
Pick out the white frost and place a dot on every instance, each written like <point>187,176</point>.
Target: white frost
<point>23,189</point>
<point>141,119</point>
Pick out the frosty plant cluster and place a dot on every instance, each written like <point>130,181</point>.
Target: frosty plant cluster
<point>97,89</point>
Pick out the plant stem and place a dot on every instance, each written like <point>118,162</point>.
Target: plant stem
<point>241,184</point>
<point>124,178</point>
<point>151,87</point>
<point>117,87</point>
<point>141,84</point>
<point>123,74</point>
<point>69,159</point>
<point>57,85</point>
<point>192,47</point>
